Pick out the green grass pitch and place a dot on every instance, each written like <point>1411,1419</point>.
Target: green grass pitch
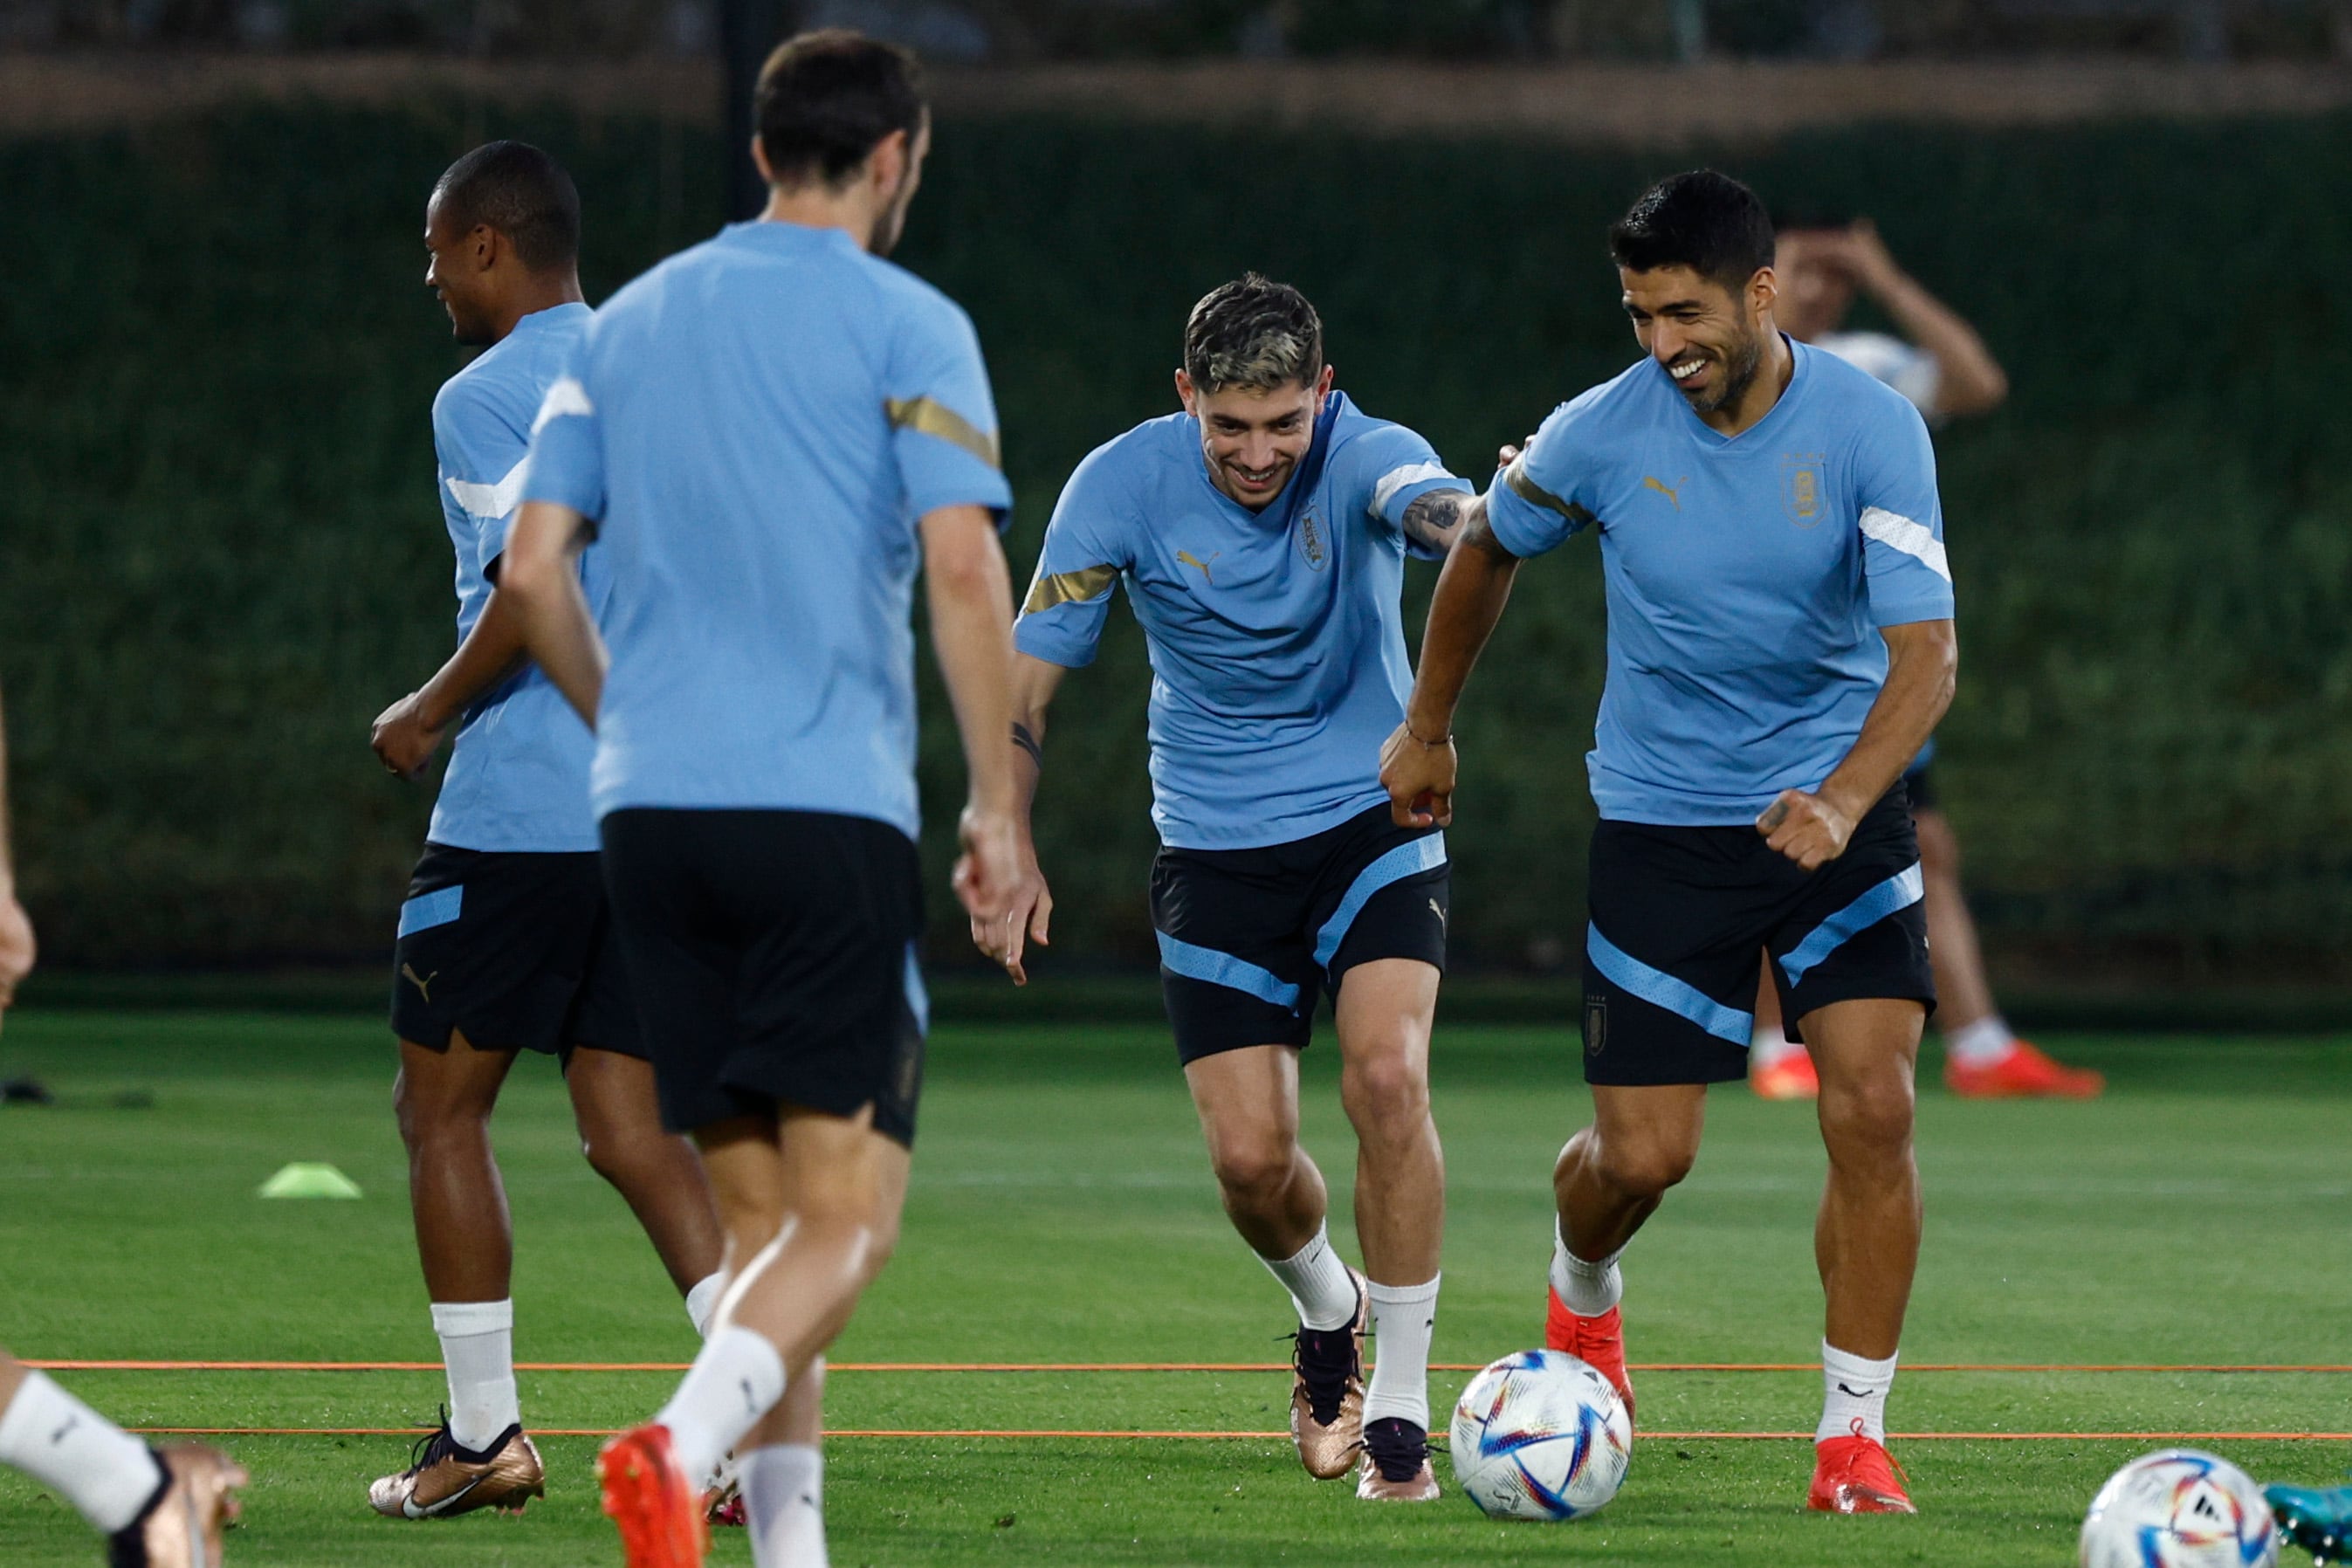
<point>1062,1213</point>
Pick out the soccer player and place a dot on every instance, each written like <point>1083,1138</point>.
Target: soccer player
<point>157,1507</point>
<point>768,435</point>
<point>1261,534</point>
<point>1944,368</point>
<point>504,943</point>
<point>1780,646</point>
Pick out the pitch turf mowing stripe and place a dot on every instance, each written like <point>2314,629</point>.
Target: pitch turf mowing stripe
<point>1122,1366</point>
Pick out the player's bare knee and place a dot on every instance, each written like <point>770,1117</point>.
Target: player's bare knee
<point>1253,1168</point>
<point>1643,1167</point>
<point>1869,1122</point>
<point>1386,1096</point>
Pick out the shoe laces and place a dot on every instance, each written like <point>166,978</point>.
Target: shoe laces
<point>1860,1456</point>
<point>1326,1360</point>
<point>429,1449</point>
<point>1397,1447</point>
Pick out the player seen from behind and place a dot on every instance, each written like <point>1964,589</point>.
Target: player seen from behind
<point>157,1507</point>
<point>1780,645</point>
<point>1944,368</point>
<point>504,943</point>
<point>1261,534</point>
<point>769,434</point>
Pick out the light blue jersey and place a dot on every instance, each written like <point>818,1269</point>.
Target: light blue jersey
<point>1276,640</point>
<point>518,775</point>
<point>757,424</point>
<point>1748,577</point>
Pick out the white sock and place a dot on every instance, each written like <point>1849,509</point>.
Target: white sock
<point>783,1498</point>
<point>107,1473</point>
<point>1769,1048</point>
<point>478,1349</point>
<point>703,1300</point>
<point>1586,1289</point>
<point>1979,1044</point>
<point>1403,1317</point>
<point>1853,1390</point>
<point>1318,1282</point>
<point>737,1379</point>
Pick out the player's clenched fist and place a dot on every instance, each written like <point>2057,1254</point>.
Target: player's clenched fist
<point>1419,776</point>
<point>1806,828</point>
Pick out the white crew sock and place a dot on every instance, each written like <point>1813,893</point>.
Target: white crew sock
<point>1770,1046</point>
<point>1854,1389</point>
<point>737,1379</point>
<point>783,1500</point>
<point>1982,1043</point>
<point>1586,1289</point>
<point>1318,1283</point>
<point>703,1300</point>
<point>478,1349</point>
<point>1404,1318</point>
<point>107,1473</point>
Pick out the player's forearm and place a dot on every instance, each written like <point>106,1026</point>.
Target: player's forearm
<point>541,581</point>
<point>1968,380</point>
<point>1471,593</point>
<point>491,652</point>
<point>971,599</point>
<point>1922,670</point>
<point>1034,684</point>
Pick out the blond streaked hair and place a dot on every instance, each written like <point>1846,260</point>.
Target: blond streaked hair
<point>1253,332</point>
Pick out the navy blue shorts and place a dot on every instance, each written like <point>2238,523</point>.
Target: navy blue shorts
<point>1678,914</point>
<point>1249,938</point>
<point>513,950</point>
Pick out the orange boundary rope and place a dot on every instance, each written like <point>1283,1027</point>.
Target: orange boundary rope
<point>680,1366</point>
<point>1284,1437</point>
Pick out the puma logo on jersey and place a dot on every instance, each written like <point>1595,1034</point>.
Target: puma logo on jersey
<point>1671,493</point>
<point>424,983</point>
<point>1439,913</point>
<point>1189,559</point>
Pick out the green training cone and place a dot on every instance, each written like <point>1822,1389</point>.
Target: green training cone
<point>303,1179</point>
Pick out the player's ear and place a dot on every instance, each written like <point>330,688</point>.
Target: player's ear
<point>1323,387</point>
<point>1184,392</point>
<point>1763,291</point>
<point>886,166</point>
<point>760,161</point>
<point>484,244</point>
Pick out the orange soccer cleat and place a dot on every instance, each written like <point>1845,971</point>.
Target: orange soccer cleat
<point>1793,1076</point>
<point>2022,1072</point>
<point>1599,1343</point>
<point>1857,1475</point>
<point>657,1508</point>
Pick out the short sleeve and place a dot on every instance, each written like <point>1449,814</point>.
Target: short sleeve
<point>1902,521</point>
<point>483,457</point>
<point>1085,550</point>
<point>1532,506</point>
<point>1396,468</point>
<point>942,417</point>
<point>567,450</point>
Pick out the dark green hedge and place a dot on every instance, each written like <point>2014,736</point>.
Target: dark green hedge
<point>220,550</point>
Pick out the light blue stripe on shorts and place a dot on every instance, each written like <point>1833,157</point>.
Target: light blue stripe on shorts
<point>1900,891</point>
<point>427,911</point>
<point>1409,859</point>
<point>1659,989</point>
<point>1206,964</point>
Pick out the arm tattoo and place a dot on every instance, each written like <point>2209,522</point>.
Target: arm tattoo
<point>1027,741</point>
<point>1434,517</point>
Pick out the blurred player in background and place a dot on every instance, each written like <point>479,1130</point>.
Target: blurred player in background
<point>1944,368</point>
<point>1261,534</point>
<point>769,434</point>
<point>157,1507</point>
<point>504,943</point>
<point>1780,646</point>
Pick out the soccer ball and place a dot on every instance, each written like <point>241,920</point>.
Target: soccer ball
<point>2180,1508</point>
<point>1540,1434</point>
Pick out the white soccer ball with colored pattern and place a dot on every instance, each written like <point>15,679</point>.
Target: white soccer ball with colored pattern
<point>1540,1434</point>
<point>2180,1508</point>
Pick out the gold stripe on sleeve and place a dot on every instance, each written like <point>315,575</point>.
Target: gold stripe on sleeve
<point>1068,588</point>
<point>932,417</point>
<point>1527,489</point>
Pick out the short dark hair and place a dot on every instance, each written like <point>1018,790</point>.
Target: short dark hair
<point>1702,220</point>
<point>825,98</point>
<point>1253,332</point>
<point>523,194</point>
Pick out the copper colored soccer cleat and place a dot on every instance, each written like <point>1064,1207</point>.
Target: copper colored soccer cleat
<point>444,1480</point>
<point>182,1525</point>
<point>1327,1392</point>
<point>1396,1466</point>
